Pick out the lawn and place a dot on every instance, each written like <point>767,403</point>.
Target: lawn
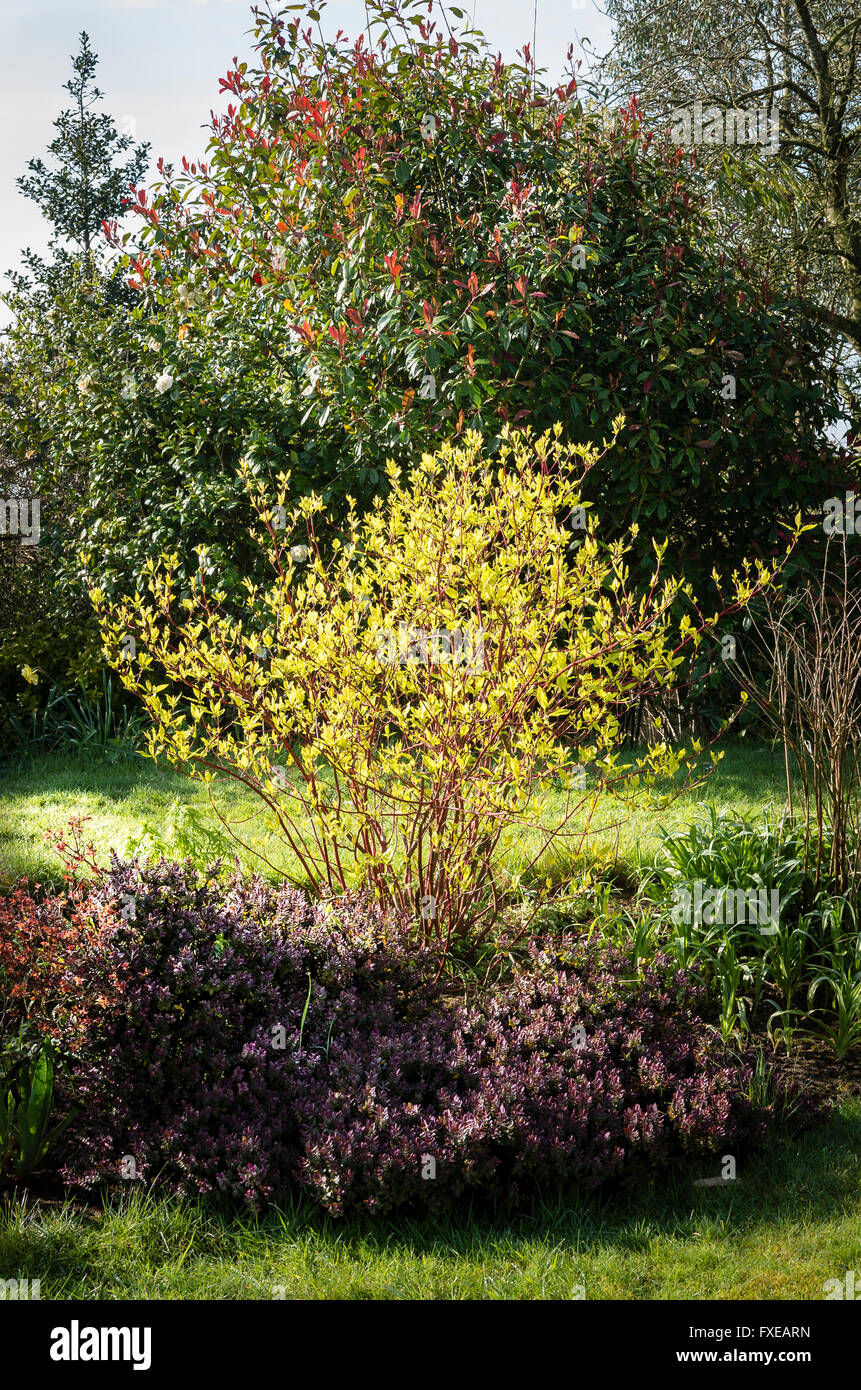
<point>123,797</point>
<point>790,1221</point>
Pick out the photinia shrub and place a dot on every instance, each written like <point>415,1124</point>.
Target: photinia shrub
<point>424,240</point>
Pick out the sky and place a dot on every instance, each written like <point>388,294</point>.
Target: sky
<point>159,65</point>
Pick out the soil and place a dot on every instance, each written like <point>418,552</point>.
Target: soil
<point>814,1066</point>
<point>50,1194</point>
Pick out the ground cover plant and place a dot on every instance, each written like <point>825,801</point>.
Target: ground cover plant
<point>233,1040</point>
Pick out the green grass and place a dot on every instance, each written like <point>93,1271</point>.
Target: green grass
<point>120,797</point>
<point>791,1221</point>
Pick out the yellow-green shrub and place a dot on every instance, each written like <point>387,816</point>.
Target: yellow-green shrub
<point>403,776</point>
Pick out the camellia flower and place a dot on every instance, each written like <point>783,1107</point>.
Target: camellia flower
<point>29,675</point>
<point>164,382</point>
<point>188,295</point>
<point>84,384</point>
<point>130,390</point>
<point>299,552</point>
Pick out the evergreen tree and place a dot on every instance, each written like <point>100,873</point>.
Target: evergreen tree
<point>85,185</point>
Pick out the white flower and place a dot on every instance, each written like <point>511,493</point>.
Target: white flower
<point>84,384</point>
<point>299,552</point>
<point>163,383</point>
<point>189,296</point>
<point>130,390</point>
<point>153,344</point>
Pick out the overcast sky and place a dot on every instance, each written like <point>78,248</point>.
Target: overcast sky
<point>159,65</point>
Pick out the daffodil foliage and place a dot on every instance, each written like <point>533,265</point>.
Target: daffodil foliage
<point>406,695</point>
